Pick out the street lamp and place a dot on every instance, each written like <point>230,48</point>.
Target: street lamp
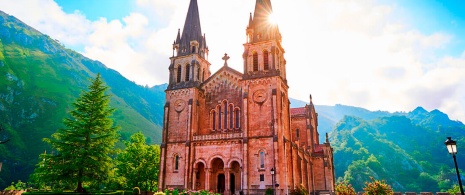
<point>452,148</point>
<point>272,178</point>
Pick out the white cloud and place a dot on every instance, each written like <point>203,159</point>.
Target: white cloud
<point>341,51</point>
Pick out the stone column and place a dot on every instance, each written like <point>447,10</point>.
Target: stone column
<point>194,179</point>
<point>226,181</point>
<point>207,178</point>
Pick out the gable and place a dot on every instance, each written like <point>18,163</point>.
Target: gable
<point>225,78</point>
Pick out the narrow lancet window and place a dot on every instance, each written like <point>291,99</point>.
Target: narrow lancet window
<point>265,60</point>
<point>231,114</point>
<point>176,162</point>
<point>238,118</point>
<point>225,125</point>
<point>178,75</point>
<point>262,160</point>
<point>187,72</point>
<point>214,120</point>
<point>255,61</point>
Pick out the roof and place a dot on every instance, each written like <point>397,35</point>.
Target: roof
<point>298,111</point>
<point>319,148</point>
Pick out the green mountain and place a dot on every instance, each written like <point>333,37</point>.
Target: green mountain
<point>405,149</point>
<point>39,81</point>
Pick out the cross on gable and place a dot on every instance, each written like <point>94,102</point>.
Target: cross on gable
<point>225,58</point>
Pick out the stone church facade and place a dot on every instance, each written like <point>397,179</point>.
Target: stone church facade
<point>233,132</point>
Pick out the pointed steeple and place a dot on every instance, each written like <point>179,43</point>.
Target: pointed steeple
<point>191,40</point>
<point>260,26</point>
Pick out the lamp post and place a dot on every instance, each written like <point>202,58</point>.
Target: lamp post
<point>452,148</point>
<point>272,178</point>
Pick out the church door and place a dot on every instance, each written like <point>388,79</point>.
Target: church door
<point>221,183</point>
<point>232,183</point>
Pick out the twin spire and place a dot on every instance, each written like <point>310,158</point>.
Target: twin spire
<point>191,41</point>
<point>260,27</point>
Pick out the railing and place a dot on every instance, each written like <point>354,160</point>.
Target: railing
<point>217,136</point>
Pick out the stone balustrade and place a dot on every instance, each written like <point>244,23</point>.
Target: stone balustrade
<point>217,136</point>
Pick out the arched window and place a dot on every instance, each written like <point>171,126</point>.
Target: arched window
<point>262,159</point>
<point>255,61</point>
<point>265,60</point>
<point>188,68</point>
<point>297,133</point>
<point>231,114</point>
<point>214,120</point>
<point>238,120</point>
<point>193,49</point>
<point>219,117</point>
<point>225,124</point>
<point>178,75</point>
<point>176,162</point>
<point>198,73</point>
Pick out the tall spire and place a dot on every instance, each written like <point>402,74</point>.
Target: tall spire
<point>260,25</point>
<point>191,40</point>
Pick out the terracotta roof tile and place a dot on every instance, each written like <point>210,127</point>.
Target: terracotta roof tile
<point>319,148</point>
<point>297,111</point>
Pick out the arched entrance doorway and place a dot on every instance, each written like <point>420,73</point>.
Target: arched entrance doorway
<point>199,175</point>
<point>235,177</point>
<point>218,179</point>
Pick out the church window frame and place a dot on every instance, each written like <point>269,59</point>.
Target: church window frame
<point>297,133</point>
<point>261,159</point>
<point>225,117</point>
<point>176,163</point>
<point>198,73</point>
<point>179,74</point>
<point>255,61</point>
<point>237,118</point>
<point>188,70</point>
<point>213,117</point>
<point>231,116</point>
<point>266,65</point>
<point>219,116</point>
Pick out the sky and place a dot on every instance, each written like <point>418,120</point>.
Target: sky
<point>387,55</point>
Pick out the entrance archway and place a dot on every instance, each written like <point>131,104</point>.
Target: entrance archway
<point>217,177</point>
<point>235,177</point>
<point>221,183</point>
<point>199,174</point>
<point>232,183</point>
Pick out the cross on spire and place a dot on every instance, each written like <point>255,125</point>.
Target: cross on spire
<point>225,58</point>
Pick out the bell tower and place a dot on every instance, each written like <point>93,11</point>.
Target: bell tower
<point>263,54</point>
<point>189,66</point>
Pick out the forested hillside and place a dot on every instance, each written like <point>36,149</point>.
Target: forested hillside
<point>39,80</point>
<point>407,151</point>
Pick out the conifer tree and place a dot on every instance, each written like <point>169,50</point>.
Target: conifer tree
<point>83,147</point>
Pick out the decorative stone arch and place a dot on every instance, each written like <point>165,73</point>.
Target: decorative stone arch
<point>210,160</point>
<point>217,178</point>
<point>234,159</point>
<point>200,160</point>
<point>200,174</point>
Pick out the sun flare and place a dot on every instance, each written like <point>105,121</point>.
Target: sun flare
<point>272,19</point>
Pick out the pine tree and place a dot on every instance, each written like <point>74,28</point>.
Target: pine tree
<point>84,146</point>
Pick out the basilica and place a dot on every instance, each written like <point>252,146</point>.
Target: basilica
<point>235,133</point>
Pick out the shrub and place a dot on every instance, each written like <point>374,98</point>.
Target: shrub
<point>344,188</point>
<point>377,187</point>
